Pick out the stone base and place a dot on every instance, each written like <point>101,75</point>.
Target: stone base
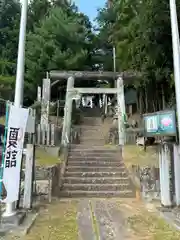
<point>9,223</point>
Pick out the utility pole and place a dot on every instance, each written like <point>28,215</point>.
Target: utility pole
<point>18,98</point>
<point>176,56</point>
<point>114,64</point>
<point>176,60</point>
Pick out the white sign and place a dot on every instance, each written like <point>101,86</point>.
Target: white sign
<point>87,101</point>
<point>151,124</point>
<point>30,127</point>
<point>39,94</point>
<point>13,153</point>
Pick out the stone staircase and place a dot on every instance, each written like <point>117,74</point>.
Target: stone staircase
<point>93,169</point>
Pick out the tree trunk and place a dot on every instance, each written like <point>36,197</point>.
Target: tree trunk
<point>140,101</point>
<point>146,99</point>
<point>163,98</point>
<point>137,100</point>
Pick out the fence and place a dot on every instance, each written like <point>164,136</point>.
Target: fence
<point>49,135</point>
<point>130,136</point>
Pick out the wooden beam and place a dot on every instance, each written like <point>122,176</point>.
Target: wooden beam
<point>94,90</point>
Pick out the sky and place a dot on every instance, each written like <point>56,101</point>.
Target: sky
<point>89,7</point>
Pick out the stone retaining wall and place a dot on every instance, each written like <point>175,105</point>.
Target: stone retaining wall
<point>46,180</point>
<point>146,180</point>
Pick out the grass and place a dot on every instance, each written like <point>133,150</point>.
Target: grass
<point>135,155</point>
<point>148,226</point>
<point>43,158</point>
<point>56,222</point>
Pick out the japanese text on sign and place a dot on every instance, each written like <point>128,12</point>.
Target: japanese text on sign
<point>11,151</point>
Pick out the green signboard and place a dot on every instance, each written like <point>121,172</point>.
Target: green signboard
<point>161,123</point>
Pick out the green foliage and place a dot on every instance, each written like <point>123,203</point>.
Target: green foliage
<point>141,32</point>
<point>61,41</point>
<point>9,31</point>
<point>58,37</point>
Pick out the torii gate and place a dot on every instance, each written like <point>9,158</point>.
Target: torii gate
<point>71,76</point>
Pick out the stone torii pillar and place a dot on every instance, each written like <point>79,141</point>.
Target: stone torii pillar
<point>121,110</point>
<point>45,101</point>
<point>67,112</point>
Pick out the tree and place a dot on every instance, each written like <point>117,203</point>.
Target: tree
<point>37,10</point>
<point>141,32</point>
<point>9,31</point>
<point>61,41</point>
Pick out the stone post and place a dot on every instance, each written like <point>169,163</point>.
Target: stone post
<point>28,184</point>
<point>121,110</point>
<point>67,112</point>
<point>176,151</point>
<point>164,166</point>
<point>46,95</point>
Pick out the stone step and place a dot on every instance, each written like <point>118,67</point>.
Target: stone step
<point>109,148</point>
<point>87,126</point>
<point>93,130</point>
<point>94,158</point>
<point>85,150</point>
<point>84,156</point>
<point>95,163</point>
<point>94,169</point>
<point>96,194</point>
<point>96,174</point>
<point>92,142</point>
<point>99,180</point>
<point>92,120</point>
<point>96,187</point>
<point>92,138</point>
<point>93,151</point>
<point>87,156</point>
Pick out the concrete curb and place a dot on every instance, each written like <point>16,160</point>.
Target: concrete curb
<point>26,226</point>
<point>30,224</point>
